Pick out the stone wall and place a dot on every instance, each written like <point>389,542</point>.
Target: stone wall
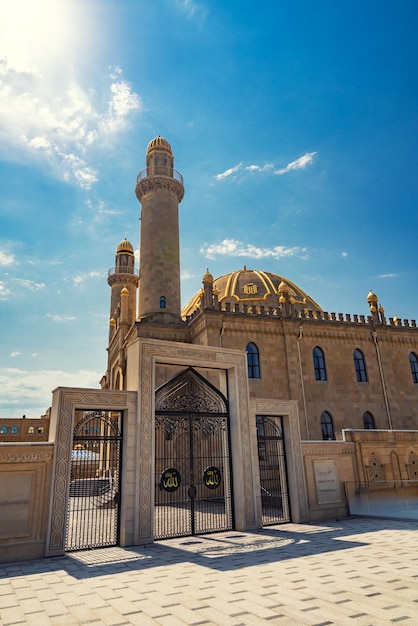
<point>25,486</point>
<point>328,465</point>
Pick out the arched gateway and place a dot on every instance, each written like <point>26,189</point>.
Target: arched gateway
<point>193,482</point>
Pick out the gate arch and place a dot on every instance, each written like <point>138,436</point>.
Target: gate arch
<point>94,493</point>
<point>272,465</point>
<point>193,481</point>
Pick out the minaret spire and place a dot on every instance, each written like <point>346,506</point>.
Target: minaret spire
<point>159,188</point>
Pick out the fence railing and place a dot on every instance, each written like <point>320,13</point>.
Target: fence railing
<point>159,170</point>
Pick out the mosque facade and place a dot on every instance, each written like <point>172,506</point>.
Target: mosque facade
<point>343,371</point>
<point>249,406</point>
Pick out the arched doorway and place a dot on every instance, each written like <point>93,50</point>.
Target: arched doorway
<point>193,482</point>
<point>273,477</point>
<point>94,491</point>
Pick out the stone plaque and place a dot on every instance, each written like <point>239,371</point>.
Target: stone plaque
<point>16,504</point>
<point>327,484</point>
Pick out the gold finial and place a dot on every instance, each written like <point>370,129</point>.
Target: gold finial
<point>372,297</point>
<point>112,322</point>
<point>124,292</point>
<point>283,288</point>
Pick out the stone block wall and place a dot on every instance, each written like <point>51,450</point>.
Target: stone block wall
<point>25,486</point>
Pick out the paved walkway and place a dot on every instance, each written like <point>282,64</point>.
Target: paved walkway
<point>355,571</point>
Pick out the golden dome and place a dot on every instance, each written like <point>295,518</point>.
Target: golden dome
<point>254,287</point>
<point>125,246</point>
<point>158,143</point>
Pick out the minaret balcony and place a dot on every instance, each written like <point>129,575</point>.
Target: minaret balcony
<point>122,269</point>
<point>159,170</point>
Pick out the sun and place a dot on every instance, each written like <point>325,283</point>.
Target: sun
<point>33,34</point>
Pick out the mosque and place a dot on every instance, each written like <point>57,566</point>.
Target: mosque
<point>249,406</point>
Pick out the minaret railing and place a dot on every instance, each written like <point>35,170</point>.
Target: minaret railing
<point>159,170</point>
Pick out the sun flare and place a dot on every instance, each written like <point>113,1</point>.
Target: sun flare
<point>33,34</point>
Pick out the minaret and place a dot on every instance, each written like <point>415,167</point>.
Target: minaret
<point>160,190</point>
<point>123,275</point>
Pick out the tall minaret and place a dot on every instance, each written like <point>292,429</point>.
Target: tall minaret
<point>123,276</point>
<point>160,190</point>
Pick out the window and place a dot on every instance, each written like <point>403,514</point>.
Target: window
<point>319,364</point>
<point>413,362</point>
<point>3,430</point>
<point>253,361</point>
<point>368,421</point>
<point>162,302</point>
<point>14,430</point>
<point>360,366</point>
<point>31,430</point>
<point>327,426</point>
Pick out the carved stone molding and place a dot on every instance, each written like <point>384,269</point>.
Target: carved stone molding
<point>336,449</point>
<point>159,183</point>
<point>25,456</point>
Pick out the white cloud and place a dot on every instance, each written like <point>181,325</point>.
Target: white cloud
<point>258,168</point>
<point>232,247</point>
<point>229,172</point>
<point>191,8</point>
<point>299,164</point>
<point>344,254</point>
<point>185,275</point>
<point>4,291</point>
<point>29,284</point>
<point>14,354</point>
<point>388,275</point>
<point>29,393</point>
<point>60,318</point>
<point>6,259</point>
<point>46,115</point>
<point>81,278</point>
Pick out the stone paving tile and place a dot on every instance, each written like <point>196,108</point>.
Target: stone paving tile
<point>356,571</point>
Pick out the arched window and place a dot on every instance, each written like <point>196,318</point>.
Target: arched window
<point>413,362</point>
<point>31,430</point>
<point>368,421</point>
<point>360,366</point>
<point>40,430</point>
<point>3,430</point>
<point>253,361</point>
<point>14,430</point>
<point>162,302</point>
<point>319,364</point>
<point>327,426</point>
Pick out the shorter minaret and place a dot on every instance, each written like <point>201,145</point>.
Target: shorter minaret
<point>123,276</point>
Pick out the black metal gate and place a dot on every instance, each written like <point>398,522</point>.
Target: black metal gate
<point>93,503</point>
<point>272,463</point>
<point>193,483</point>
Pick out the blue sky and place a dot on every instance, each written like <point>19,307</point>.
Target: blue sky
<point>294,124</point>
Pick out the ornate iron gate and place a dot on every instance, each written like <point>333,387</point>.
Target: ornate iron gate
<point>93,503</point>
<point>272,462</point>
<point>193,483</point>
